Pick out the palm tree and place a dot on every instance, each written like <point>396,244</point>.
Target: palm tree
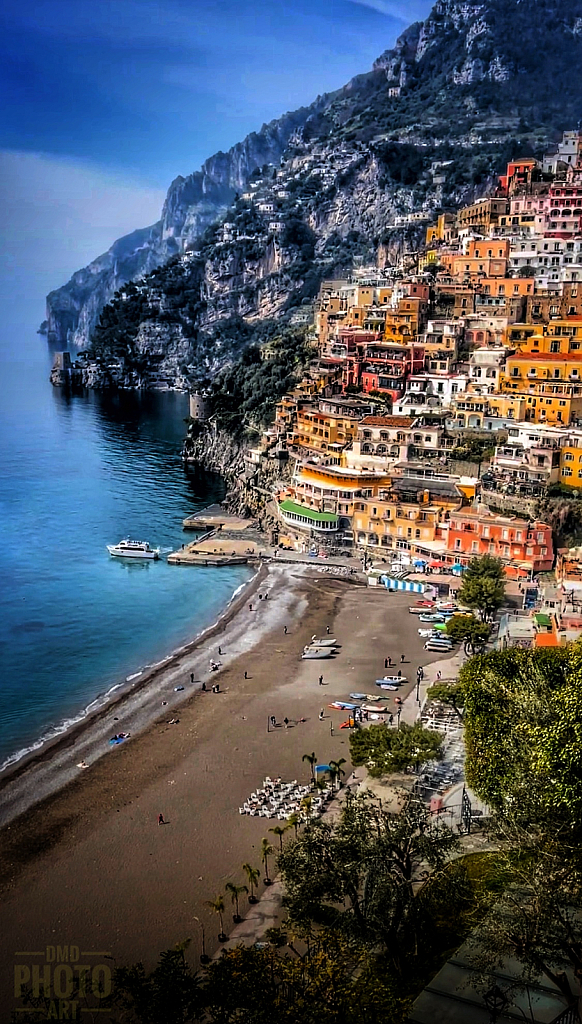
<point>293,821</point>
<point>266,852</point>
<point>217,905</point>
<point>235,891</point>
<point>253,875</point>
<point>337,771</point>
<point>311,761</point>
<point>279,831</point>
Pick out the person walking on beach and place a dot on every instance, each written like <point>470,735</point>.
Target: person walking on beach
<point>438,676</point>
<point>327,630</point>
<point>246,674</point>
<point>402,659</point>
<point>285,630</point>
<point>273,721</point>
<point>321,715</point>
<point>191,677</point>
<point>321,680</point>
<point>161,819</point>
<point>219,649</point>
<point>286,723</point>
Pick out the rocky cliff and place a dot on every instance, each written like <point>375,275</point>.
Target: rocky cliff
<point>192,203</point>
<point>427,127</point>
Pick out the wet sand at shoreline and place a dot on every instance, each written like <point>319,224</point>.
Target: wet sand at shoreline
<point>91,867</point>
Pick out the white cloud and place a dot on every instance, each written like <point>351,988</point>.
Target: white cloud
<point>57,214</point>
<point>405,12</point>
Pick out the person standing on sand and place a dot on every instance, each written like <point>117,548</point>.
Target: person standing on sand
<point>246,675</point>
<point>321,680</point>
<point>402,659</point>
<point>161,819</point>
<point>321,715</point>
<point>191,677</point>
<point>250,607</point>
<point>285,630</point>
<point>327,630</point>
<point>286,723</point>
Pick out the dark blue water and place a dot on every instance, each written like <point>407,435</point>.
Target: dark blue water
<point>78,472</point>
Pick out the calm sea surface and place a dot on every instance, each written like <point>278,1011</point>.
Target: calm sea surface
<point>78,472</point>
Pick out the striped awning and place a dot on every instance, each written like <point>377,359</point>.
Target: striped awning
<point>392,584</point>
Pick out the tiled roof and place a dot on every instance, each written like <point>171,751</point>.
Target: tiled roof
<point>561,357</point>
<point>387,421</point>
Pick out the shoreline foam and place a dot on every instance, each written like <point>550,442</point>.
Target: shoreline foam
<point>71,730</point>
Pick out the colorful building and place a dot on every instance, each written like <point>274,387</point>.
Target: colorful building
<point>473,533</point>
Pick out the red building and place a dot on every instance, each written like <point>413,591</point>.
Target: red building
<point>519,543</point>
<point>383,366</point>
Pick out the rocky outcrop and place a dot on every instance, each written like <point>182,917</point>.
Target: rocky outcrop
<point>249,488</point>
<point>192,204</point>
<point>466,76</point>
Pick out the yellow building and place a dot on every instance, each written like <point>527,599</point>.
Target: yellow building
<point>551,381</point>
<point>319,431</point>
<point>571,460</point>
<point>483,214</point>
<point>472,410</point>
<point>389,523</point>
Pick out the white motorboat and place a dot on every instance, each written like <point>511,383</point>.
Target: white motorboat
<point>133,549</point>
<point>326,641</point>
<point>311,653</point>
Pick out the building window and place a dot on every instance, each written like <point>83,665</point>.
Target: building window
<point>457,545</point>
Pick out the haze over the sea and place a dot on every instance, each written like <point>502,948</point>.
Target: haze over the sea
<point>104,105</point>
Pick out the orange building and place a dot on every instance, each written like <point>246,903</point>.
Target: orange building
<point>519,543</point>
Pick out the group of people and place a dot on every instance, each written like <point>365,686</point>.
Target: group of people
<point>388,662</point>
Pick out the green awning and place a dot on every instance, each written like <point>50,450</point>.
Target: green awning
<point>307,513</point>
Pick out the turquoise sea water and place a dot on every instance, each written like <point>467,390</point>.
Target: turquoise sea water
<point>78,472</point>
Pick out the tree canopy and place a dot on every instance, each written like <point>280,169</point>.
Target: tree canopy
<point>356,875</point>
<point>523,730</point>
<point>466,629</point>
<point>384,750</point>
<point>483,586</point>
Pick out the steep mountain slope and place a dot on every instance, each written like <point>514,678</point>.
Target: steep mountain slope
<point>437,115</point>
<point>191,204</point>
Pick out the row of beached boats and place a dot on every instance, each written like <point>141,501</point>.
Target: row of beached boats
<point>373,703</point>
<point>320,647</point>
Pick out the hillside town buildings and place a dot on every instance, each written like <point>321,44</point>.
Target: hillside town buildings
<point>445,398</point>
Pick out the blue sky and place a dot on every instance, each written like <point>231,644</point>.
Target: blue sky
<point>108,100</point>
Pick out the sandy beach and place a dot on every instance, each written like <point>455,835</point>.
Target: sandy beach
<point>88,865</point>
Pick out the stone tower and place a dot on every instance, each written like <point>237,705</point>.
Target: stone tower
<point>198,407</point>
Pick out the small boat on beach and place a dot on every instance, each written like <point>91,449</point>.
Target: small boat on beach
<point>316,653</point>
<point>358,696</point>
<point>388,686</point>
<point>340,705</point>
<point>133,549</point>
<point>326,641</point>
<point>375,709</point>
<point>392,680</point>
